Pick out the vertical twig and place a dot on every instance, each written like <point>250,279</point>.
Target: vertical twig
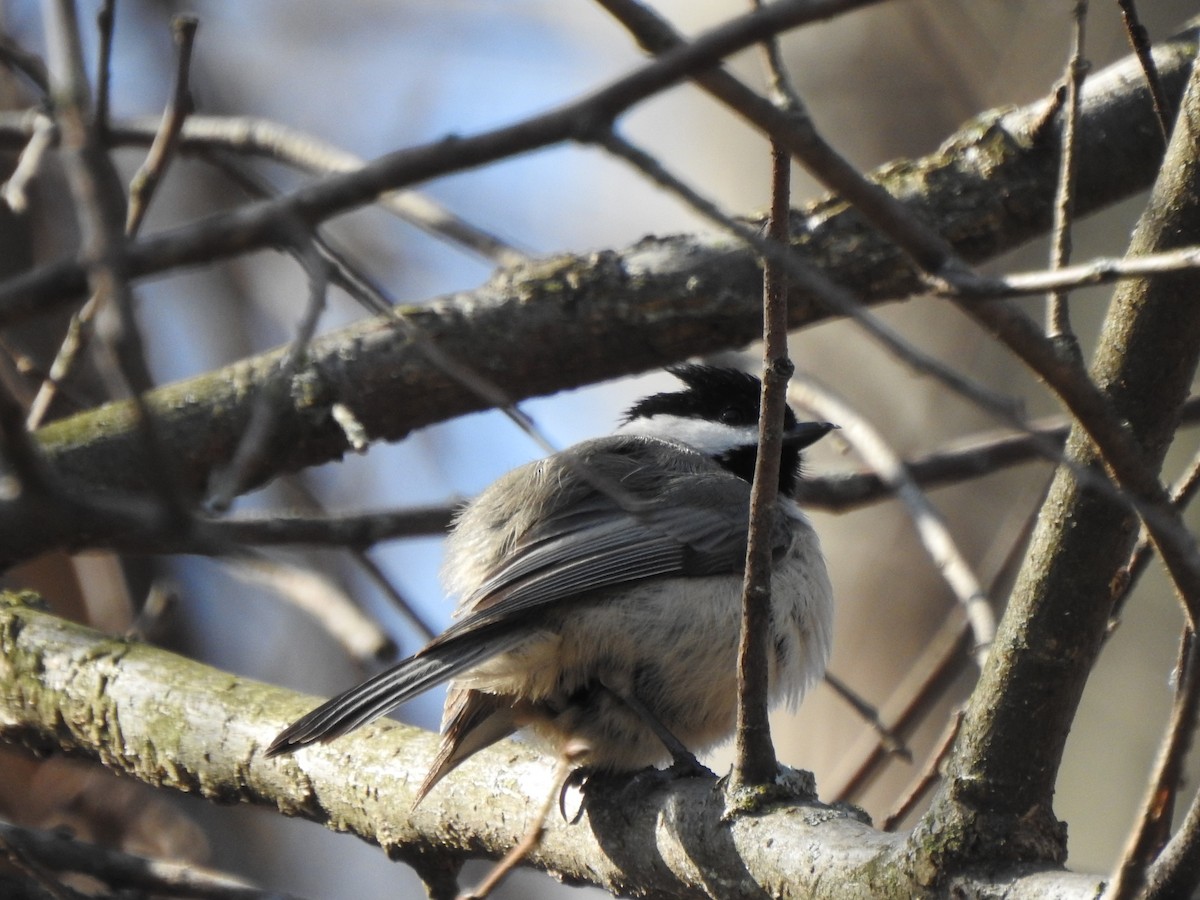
<point>1176,872</point>
<point>105,22</point>
<point>754,761</point>
<point>1058,318</point>
<point>162,151</point>
<point>99,208</point>
<point>1148,835</point>
<point>1139,40</point>
<point>755,753</point>
<point>142,191</point>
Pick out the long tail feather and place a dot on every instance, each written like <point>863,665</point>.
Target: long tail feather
<point>372,698</point>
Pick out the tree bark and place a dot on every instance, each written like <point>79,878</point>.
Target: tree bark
<point>997,797</point>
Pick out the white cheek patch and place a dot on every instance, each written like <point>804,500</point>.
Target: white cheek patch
<point>710,438</point>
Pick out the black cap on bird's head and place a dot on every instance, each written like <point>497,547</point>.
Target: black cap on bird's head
<point>717,414</point>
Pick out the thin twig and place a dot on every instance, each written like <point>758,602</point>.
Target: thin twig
<point>792,128</point>
<point>29,162</point>
<point>214,139</point>
<point>1149,831</point>
<point>809,279</point>
<point>356,545</point>
<point>57,852</point>
<point>371,295</point>
<point>323,601</point>
<point>1058,318</point>
<point>754,752</point>
<point>1098,271</point>
<point>935,536</point>
<point>398,600</point>
<point>935,670</point>
<point>1139,40</point>
<point>927,777</point>
<point>961,459</point>
<point>146,180</point>
<point>73,343</point>
<point>889,740</point>
<point>1182,493</point>
<point>946,652</point>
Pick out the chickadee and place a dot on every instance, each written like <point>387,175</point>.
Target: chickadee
<point>600,593</point>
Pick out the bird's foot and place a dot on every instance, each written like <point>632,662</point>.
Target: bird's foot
<point>685,765</point>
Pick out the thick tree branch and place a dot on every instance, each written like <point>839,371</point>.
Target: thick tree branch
<point>121,703</point>
<point>607,314</point>
<point>259,225</point>
<point>1001,779</point>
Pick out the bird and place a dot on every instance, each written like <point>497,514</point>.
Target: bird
<point>600,589</point>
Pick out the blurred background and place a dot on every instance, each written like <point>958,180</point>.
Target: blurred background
<point>370,76</point>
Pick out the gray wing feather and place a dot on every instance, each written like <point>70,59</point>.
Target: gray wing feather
<point>696,525</point>
<point>369,700</point>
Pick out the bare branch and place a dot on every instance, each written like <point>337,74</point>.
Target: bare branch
<point>927,777</point>
<point>1154,822</point>
<point>1139,40</point>
<point>58,852</point>
<point>791,127</point>
<point>166,139</point>
<point>1058,321</point>
<point>1017,148</point>
<point>671,839</point>
<point>755,763</point>
<point>935,536</point>
<point>1058,613</point>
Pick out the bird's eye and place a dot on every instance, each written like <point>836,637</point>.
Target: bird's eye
<point>729,416</point>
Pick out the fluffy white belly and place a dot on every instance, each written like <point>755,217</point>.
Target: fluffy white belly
<point>671,643</point>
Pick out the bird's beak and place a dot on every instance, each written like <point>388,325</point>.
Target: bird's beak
<point>804,434</point>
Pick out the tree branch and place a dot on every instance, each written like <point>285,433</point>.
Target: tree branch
<point>609,314</point>
<point>258,226</point>
<point>64,686</point>
<point>1001,779</point>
